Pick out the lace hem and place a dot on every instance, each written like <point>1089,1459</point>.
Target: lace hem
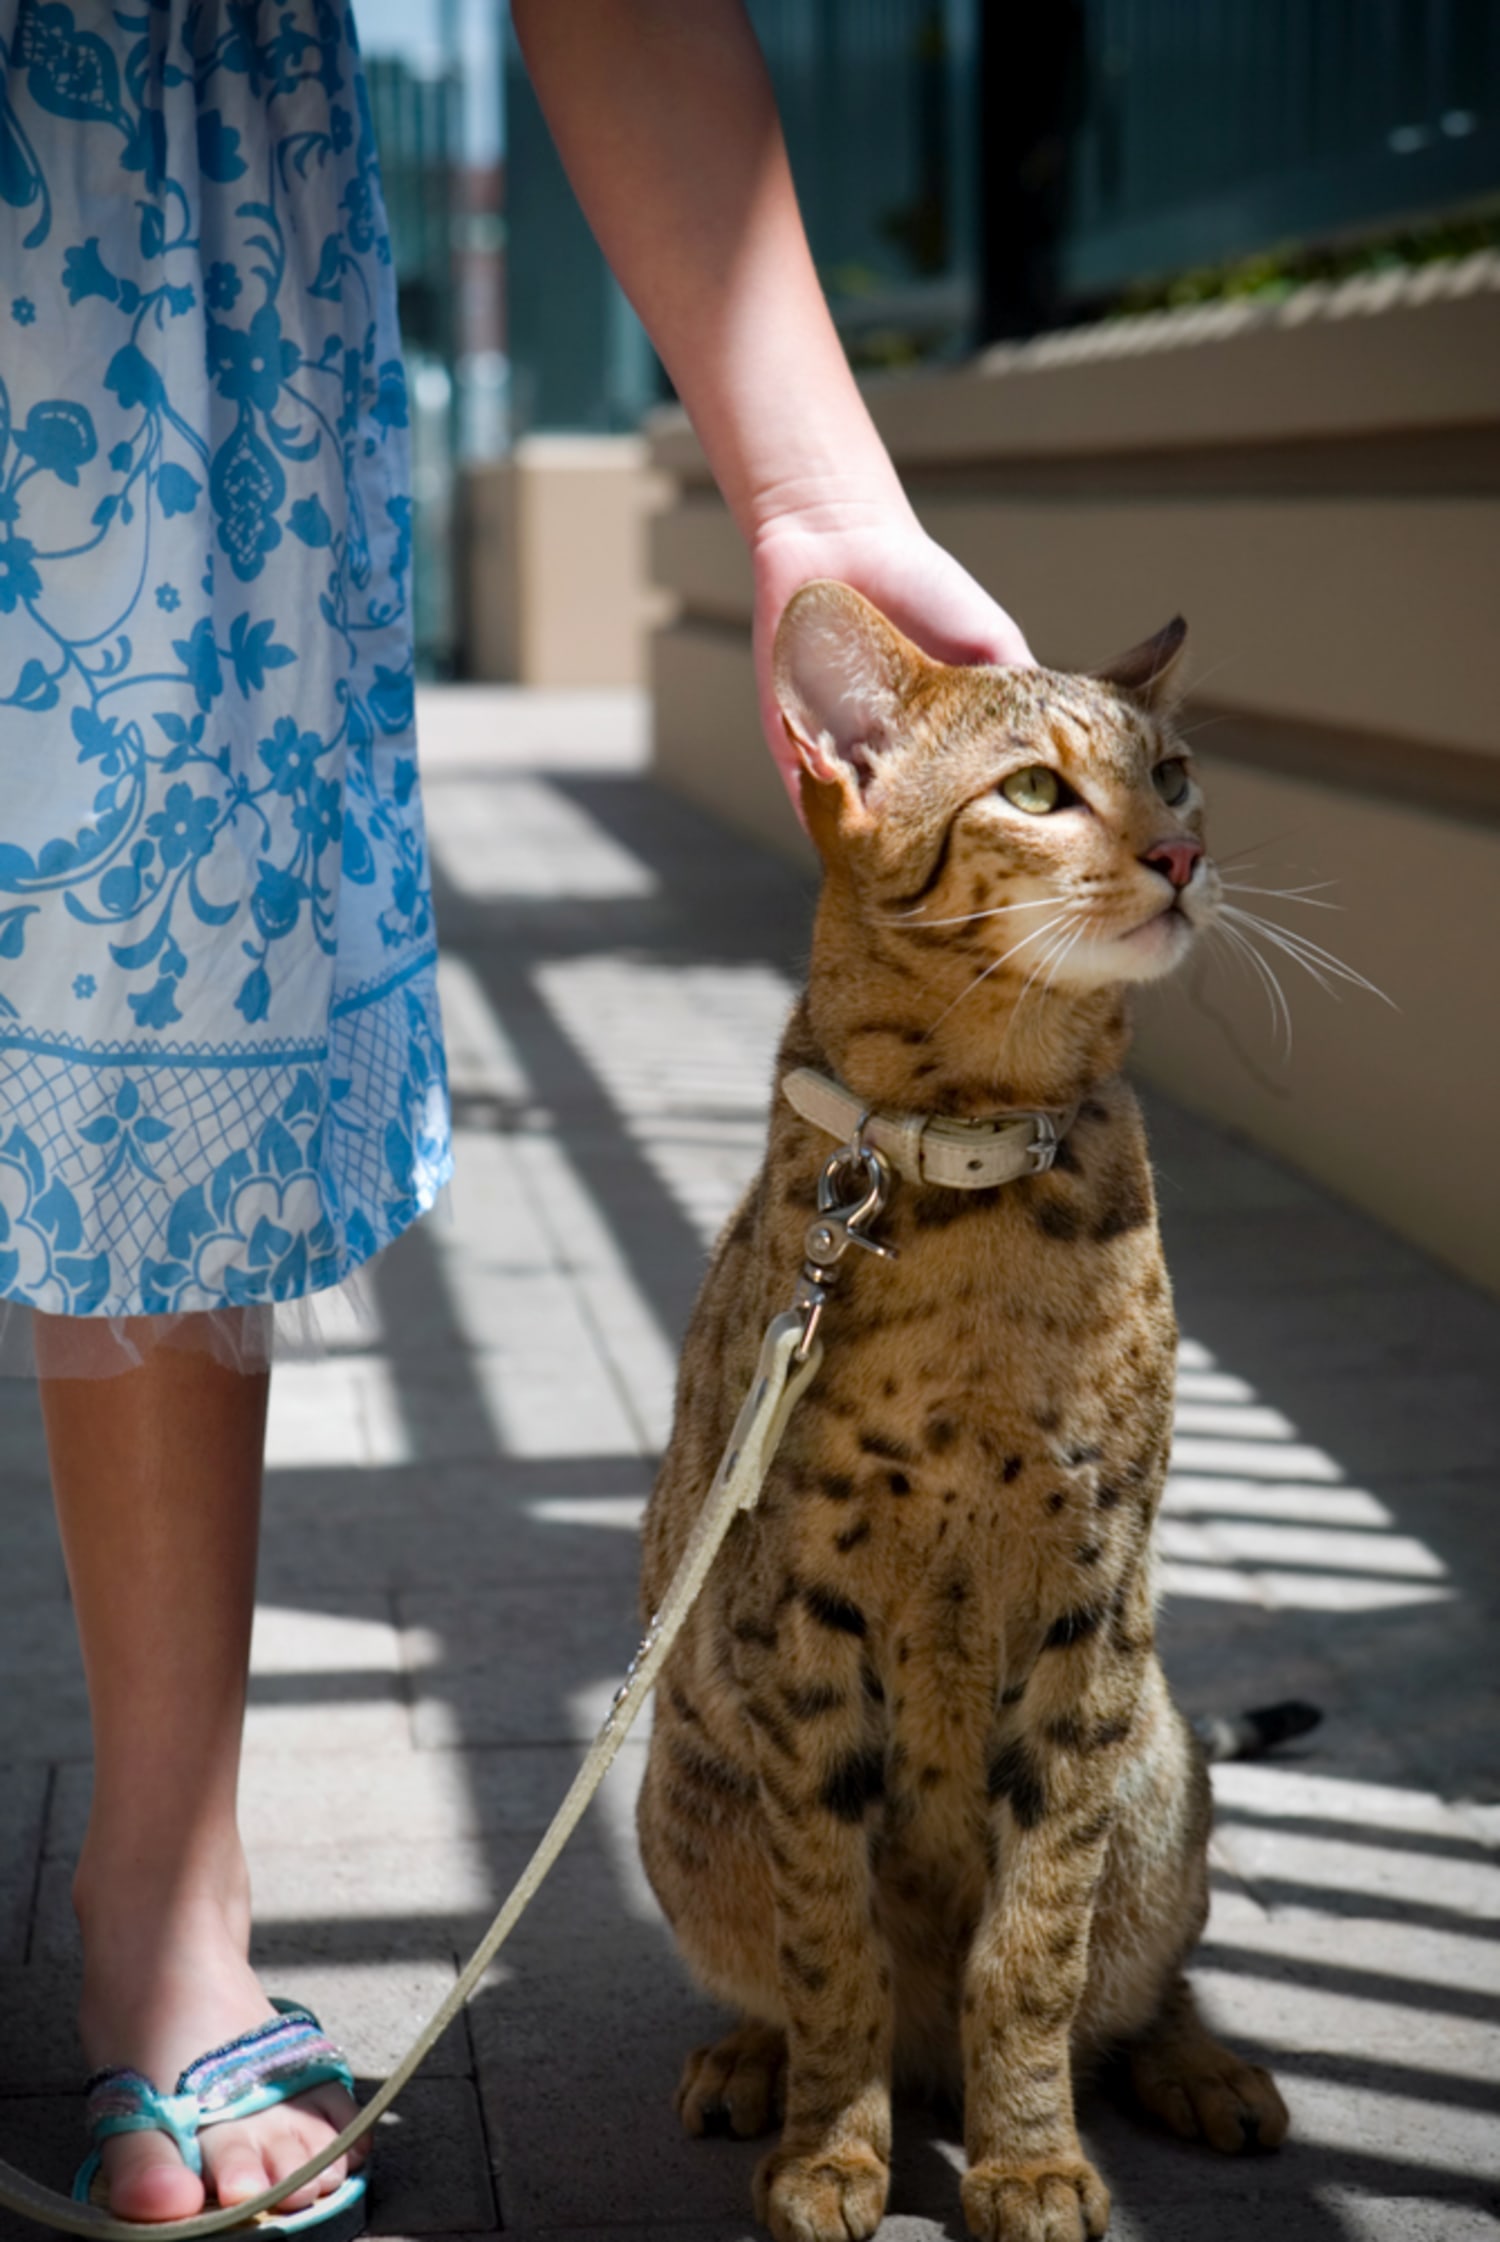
<point>342,1319</point>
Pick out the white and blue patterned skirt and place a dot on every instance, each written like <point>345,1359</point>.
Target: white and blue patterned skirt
<point>221,1068</point>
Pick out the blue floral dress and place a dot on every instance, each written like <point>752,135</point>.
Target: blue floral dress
<point>221,1069</point>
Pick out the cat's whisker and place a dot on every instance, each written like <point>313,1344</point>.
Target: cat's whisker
<point>1199,681</point>
<point>1054,956</point>
<point>965,918</point>
<point>1245,953</point>
<point>1310,955</point>
<point>1286,894</point>
<point>1073,927</point>
<point>1246,945</point>
<point>1325,980</point>
<point>1059,962</point>
<point>1037,934</point>
<point>1270,980</point>
<point>1243,863</point>
<point>1203,724</point>
<point>1060,957</point>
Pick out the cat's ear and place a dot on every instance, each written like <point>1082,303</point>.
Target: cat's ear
<point>1147,672</point>
<point>841,673</point>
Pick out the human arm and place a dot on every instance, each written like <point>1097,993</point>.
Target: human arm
<point>664,116</point>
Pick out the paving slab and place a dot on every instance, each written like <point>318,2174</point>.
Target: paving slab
<point>516,1665</point>
<point>294,1802</point>
<point>431,2173</point>
<point>42,2134</point>
<point>23,1443</point>
<point>377,2007</point>
<point>33,1568</point>
<point>486,1519</point>
<point>39,2050</point>
<point>23,1812</point>
<point>44,1714</point>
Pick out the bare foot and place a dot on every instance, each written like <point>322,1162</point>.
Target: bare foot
<point>157,1994</point>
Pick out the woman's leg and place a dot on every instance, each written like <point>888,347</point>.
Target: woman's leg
<point>157,1472</point>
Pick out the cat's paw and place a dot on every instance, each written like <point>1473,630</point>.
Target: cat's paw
<point>735,2086</point>
<point>1062,2202</point>
<point>821,2196</point>
<point>1205,2093</point>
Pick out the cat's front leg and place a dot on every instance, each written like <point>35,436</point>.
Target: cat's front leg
<point>821,1776</point>
<point>1053,1771</point>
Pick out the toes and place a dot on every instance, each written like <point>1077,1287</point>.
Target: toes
<point>1264,2105</point>
<point>284,2152</point>
<point>700,2093</point>
<point>1223,2116</point>
<point>1069,2203</point>
<point>733,2087</point>
<point>1235,2108</point>
<point>148,2180</point>
<point>336,2109</point>
<point>244,2158</point>
<point>233,2163</point>
<point>1241,2110</point>
<point>1171,2104</point>
<point>838,2197</point>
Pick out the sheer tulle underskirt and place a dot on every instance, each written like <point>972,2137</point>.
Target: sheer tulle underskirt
<point>247,1339</point>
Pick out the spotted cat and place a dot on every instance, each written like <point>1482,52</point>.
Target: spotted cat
<point>917,1795</point>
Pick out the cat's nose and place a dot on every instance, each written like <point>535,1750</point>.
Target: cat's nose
<point>1175,860</point>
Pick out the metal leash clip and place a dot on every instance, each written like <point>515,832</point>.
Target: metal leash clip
<point>840,1222</point>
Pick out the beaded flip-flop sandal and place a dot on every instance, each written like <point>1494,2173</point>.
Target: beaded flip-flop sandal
<point>279,2059</point>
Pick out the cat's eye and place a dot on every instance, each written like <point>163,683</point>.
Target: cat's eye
<point>1171,780</point>
<point>1036,790</point>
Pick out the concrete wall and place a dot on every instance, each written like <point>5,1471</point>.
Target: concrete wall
<point>1317,487</point>
<point>553,565</point>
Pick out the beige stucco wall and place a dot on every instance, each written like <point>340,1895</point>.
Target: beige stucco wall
<point>1317,487</point>
<point>1391,1104</point>
<point>553,563</point>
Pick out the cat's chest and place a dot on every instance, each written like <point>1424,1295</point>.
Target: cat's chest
<point>961,1545</point>
<point>999,1334</point>
<point>984,1441</point>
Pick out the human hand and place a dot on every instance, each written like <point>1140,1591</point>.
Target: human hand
<point>890,558</point>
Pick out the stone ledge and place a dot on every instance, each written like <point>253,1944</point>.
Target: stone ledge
<point>1405,350</point>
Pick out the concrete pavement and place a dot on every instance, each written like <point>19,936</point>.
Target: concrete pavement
<point>447,1594</point>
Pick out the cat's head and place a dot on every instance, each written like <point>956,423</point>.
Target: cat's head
<point>1055,818</point>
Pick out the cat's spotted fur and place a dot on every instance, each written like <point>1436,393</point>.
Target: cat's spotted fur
<point>917,1793</point>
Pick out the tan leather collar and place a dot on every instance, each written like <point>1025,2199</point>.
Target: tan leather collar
<point>931,1147</point>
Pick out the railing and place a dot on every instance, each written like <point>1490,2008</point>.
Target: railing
<point>970,169</point>
<point>1224,127</point>
<point>877,100</point>
<point>418,123</point>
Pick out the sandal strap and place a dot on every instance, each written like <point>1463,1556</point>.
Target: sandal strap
<point>126,2102</point>
<point>276,2060</point>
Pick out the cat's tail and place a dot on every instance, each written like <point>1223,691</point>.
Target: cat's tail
<point>1250,1735</point>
